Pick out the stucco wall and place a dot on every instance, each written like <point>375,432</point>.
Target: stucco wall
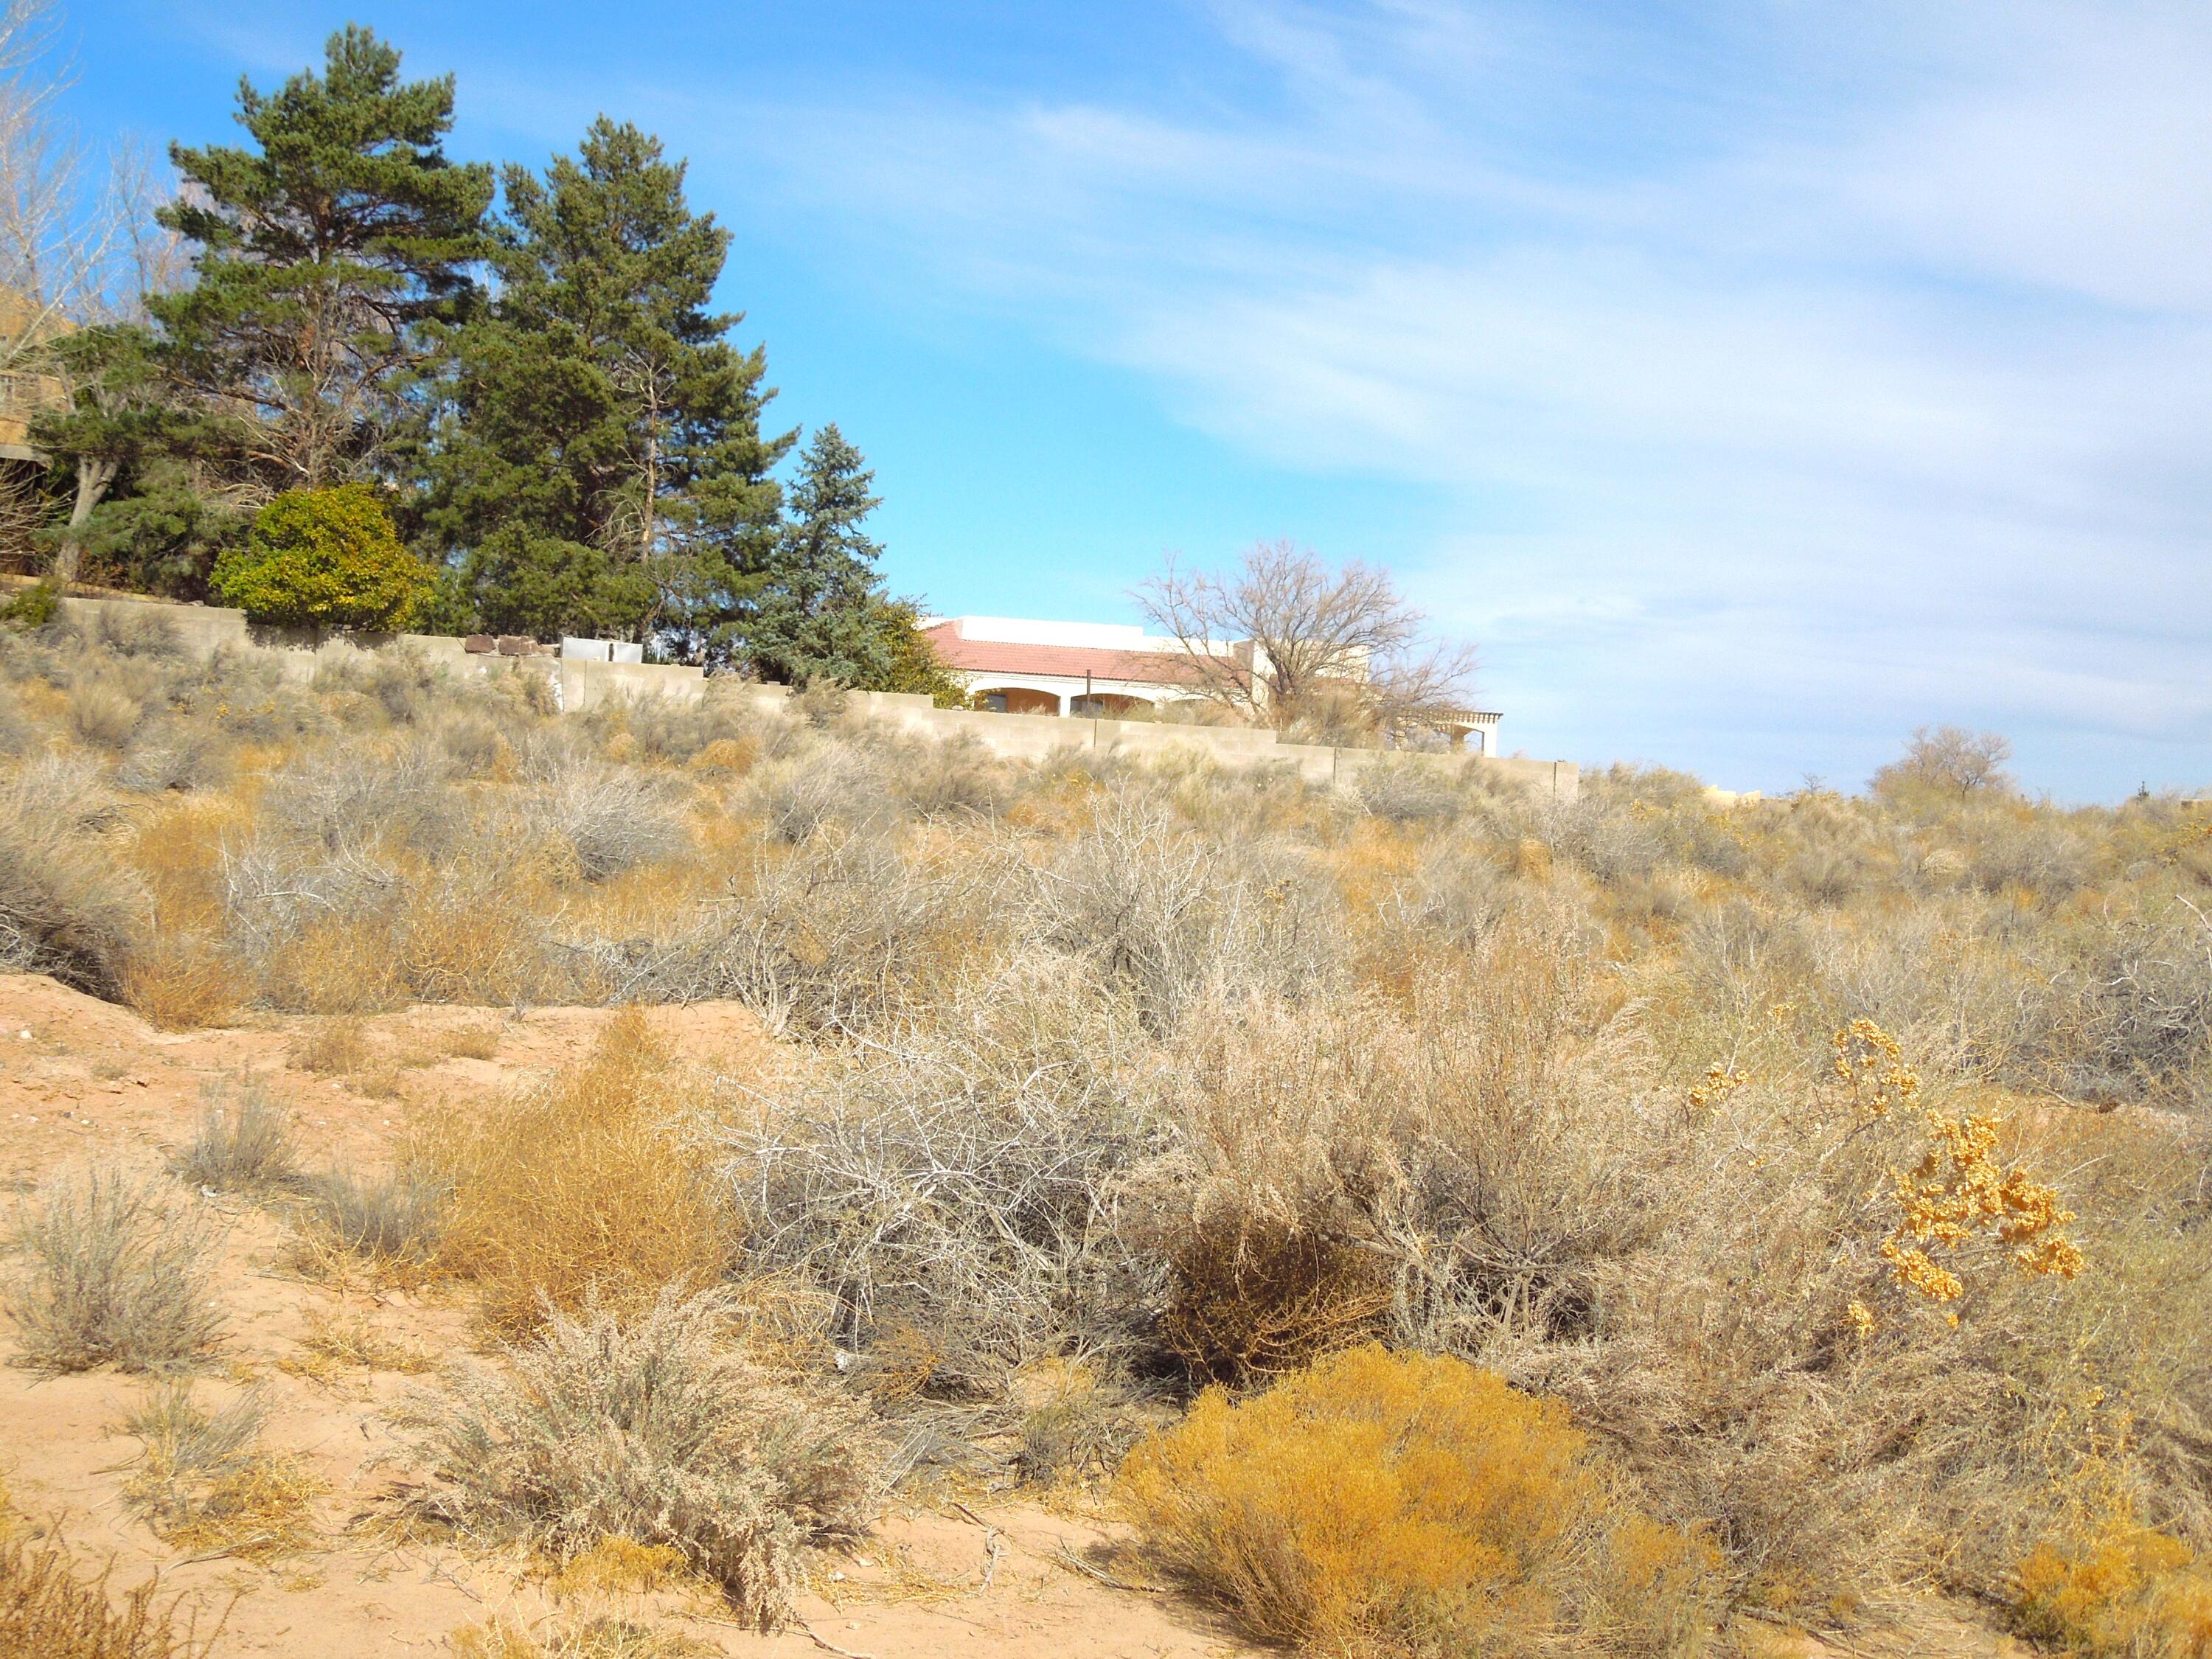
<point>583,683</point>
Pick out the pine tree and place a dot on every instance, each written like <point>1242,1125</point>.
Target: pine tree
<point>821,613</point>
<point>601,467</point>
<point>328,256</point>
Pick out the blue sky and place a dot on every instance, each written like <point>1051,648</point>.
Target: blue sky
<point>1752,382</point>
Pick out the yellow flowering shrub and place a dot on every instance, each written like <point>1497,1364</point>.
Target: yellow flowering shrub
<point>1870,1063</point>
<point>1711,1092</point>
<point>1960,1199</point>
<point>1382,1502</point>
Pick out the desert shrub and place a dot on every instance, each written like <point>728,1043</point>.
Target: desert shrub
<point>112,1274</point>
<point>2129,1008</point>
<point>610,820</point>
<point>347,797</point>
<point>324,558</point>
<point>675,729</point>
<point>137,631</point>
<point>2017,847</point>
<point>244,1143</point>
<point>393,1223</point>
<point>175,755</point>
<point>1382,1502</point>
<point>101,716</point>
<point>473,744</point>
<point>204,1482</point>
<point>1406,792</point>
<point>949,1186</point>
<point>578,1190</point>
<point>2128,1592</point>
<point>403,684</point>
<point>17,732</point>
<point>313,930</point>
<point>48,1611</point>
<point>653,1428</point>
<point>953,775</point>
<point>67,907</point>
<point>1142,904</point>
<point>840,934</point>
<point>1250,1296</point>
<point>800,796</point>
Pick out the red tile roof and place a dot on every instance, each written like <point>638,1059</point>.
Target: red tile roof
<point>1065,661</point>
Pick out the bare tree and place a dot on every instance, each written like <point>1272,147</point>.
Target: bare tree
<point>1949,761</point>
<point>1284,637</point>
<point>75,251</point>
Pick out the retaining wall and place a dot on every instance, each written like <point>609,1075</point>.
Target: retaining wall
<point>579,683</point>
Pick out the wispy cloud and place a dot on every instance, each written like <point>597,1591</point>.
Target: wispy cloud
<point>1790,371</point>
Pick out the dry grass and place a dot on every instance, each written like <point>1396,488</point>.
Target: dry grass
<point>65,907</point>
<point>48,1611</point>
<point>207,1487</point>
<point>562,1637</point>
<point>335,1345</point>
<point>113,1273</point>
<point>180,981</point>
<point>577,1190</point>
<point>330,1048</point>
<point>1391,1503</point>
<point>654,1428</point>
<point>390,1225</point>
<point>244,1143</point>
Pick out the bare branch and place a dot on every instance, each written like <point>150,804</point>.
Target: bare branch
<point>1285,638</point>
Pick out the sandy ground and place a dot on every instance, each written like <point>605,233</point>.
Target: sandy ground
<point>82,1081</point>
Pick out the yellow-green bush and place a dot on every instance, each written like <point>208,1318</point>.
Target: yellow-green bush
<point>324,558</point>
<point>1398,1503</point>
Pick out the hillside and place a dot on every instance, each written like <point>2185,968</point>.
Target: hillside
<point>660,1171</point>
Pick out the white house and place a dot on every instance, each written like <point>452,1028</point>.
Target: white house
<point>1022,666</point>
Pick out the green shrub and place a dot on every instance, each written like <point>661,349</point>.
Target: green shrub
<point>324,558</point>
<point>32,608</point>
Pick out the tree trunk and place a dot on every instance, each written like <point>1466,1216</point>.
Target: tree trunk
<point>94,475</point>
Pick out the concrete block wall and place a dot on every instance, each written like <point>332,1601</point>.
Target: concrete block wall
<point>582,682</point>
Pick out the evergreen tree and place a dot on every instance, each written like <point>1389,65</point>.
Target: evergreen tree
<point>821,612</point>
<point>120,429</point>
<point>328,256</point>
<point>600,467</point>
